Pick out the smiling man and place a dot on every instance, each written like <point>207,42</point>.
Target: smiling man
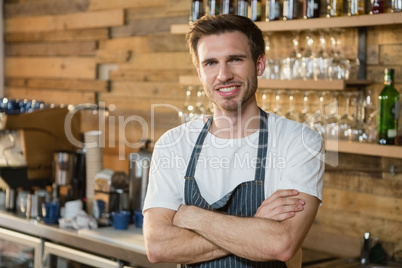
<point>252,182</point>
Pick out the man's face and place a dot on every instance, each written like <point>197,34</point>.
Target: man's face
<point>227,71</point>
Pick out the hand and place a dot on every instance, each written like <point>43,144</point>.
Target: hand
<point>184,216</point>
<point>281,205</point>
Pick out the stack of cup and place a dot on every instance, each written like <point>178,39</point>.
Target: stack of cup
<point>72,208</point>
<point>94,143</point>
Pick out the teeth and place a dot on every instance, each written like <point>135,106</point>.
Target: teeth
<point>227,89</point>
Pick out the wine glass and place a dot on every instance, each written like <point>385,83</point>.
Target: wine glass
<point>289,66</point>
<point>306,69</point>
<point>200,108</point>
<point>340,66</point>
<point>319,123</point>
<point>279,97</point>
<point>370,117</point>
<point>194,104</point>
<point>265,100</point>
<point>321,60</point>
<point>358,128</point>
<point>332,117</point>
<point>305,112</point>
<point>188,109</point>
<point>292,114</point>
<point>346,122</point>
<point>273,66</point>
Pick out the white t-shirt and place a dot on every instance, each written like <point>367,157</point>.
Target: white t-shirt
<point>295,160</point>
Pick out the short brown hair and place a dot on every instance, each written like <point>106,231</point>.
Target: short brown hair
<point>226,23</point>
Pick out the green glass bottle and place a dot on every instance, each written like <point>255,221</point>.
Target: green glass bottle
<point>389,109</point>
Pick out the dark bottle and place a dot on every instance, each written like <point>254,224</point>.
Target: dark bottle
<point>377,6</point>
<point>242,8</point>
<point>227,7</point>
<point>272,10</point>
<point>214,7</point>
<point>290,9</point>
<point>311,9</point>
<point>389,110</point>
<point>255,10</point>
<point>197,10</point>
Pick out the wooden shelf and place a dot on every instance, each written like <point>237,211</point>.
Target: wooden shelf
<point>333,22</point>
<point>311,84</point>
<point>302,84</point>
<point>318,23</point>
<point>189,80</point>
<point>392,151</point>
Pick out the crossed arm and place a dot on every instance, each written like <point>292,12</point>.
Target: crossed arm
<point>193,235</point>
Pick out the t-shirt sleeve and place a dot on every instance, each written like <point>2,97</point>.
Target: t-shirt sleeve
<point>165,179</point>
<point>305,163</point>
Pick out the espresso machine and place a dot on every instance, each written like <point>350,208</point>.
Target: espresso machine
<point>139,166</point>
<point>111,194</point>
<point>28,141</point>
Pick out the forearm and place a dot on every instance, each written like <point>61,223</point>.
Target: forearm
<point>167,243</point>
<point>256,239</point>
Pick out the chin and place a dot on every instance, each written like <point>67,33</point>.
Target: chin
<point>231,107</point>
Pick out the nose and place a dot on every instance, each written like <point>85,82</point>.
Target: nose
<point>225,74</point>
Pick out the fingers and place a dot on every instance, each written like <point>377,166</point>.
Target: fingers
<point>284,216</point>
<point>281,205</point>
<point>284,193</point>
<point>280,212</point>
<point>283,197</point>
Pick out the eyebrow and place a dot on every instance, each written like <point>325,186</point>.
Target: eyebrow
<point>233,56</point>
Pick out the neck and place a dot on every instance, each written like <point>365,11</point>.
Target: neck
<point>236,124</point>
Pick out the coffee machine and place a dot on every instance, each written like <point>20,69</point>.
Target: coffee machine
<point>28,142</point>
<point>111,194</point>
<point>139,165</point>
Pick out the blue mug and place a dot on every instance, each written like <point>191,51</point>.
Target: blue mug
<point>50,212</point>
<point>138,218</point>
<point>121,219</point>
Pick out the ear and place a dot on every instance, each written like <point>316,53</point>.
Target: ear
<point>261,65</point>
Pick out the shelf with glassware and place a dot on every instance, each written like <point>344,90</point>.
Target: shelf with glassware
<point>371,149</point>
<point>345,123</point>
<point>321,84</point>
<point>345,118</point>
<point>316,23</point>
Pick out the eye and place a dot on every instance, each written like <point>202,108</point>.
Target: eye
<point>236,60</point>
<point>210,63</point>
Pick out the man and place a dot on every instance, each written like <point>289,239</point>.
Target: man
<point>240,188</point>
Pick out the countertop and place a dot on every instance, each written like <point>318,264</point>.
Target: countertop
<point>131,238</point>
<point>127,245</point>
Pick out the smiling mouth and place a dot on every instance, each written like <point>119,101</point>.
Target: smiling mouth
<point>227,89</point>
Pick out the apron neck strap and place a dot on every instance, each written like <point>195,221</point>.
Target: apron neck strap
<point>262,147</point>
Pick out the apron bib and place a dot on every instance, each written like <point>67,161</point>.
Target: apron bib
<point>243,201</point>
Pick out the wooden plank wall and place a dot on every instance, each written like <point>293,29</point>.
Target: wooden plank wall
<point>120,54</point>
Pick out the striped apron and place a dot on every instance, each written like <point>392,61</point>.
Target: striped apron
<point>243,201</point>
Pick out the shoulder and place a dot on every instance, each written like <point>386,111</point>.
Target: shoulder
<point>290,127</point>
<point>288,132</point>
